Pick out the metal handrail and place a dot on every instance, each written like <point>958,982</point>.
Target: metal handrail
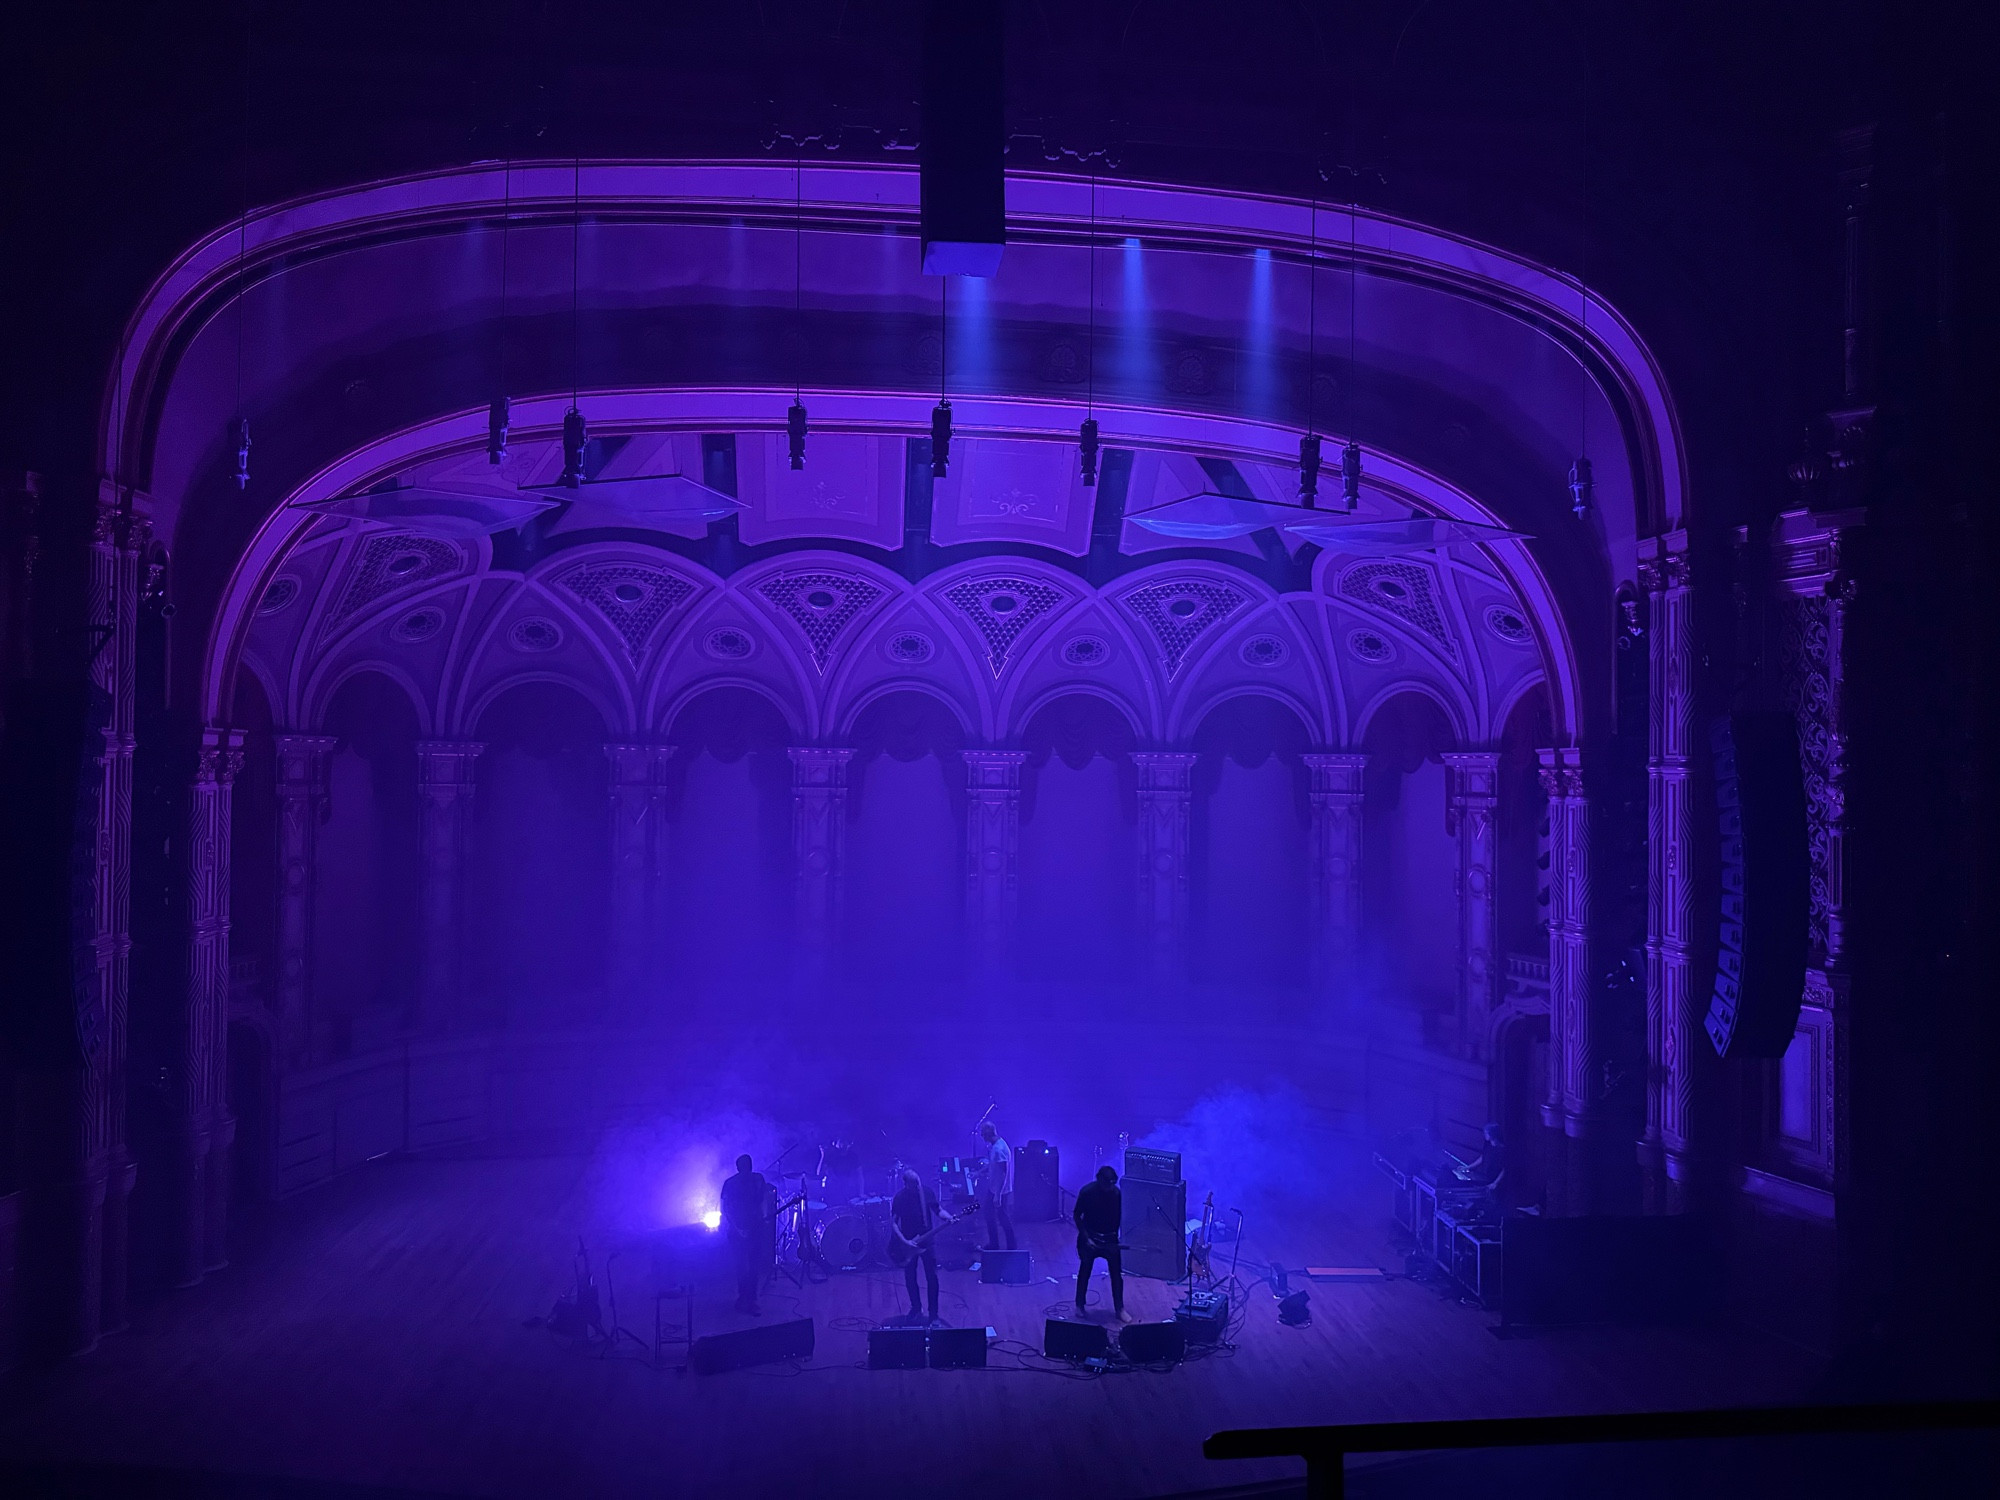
<point>1325,1448</point>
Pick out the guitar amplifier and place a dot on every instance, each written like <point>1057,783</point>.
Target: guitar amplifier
<point>1144,1164</point>
<point>1205,1317</point>
<point>1037,1182</point>
<point>1155,1229</point>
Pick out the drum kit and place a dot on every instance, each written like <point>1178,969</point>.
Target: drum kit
<point>837,1223</point>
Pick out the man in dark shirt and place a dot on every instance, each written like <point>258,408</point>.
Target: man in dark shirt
<point>913,1212</point>
<point>1099,1212</point>
<point>743,1198</point>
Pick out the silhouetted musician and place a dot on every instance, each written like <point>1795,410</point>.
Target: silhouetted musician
<point>746,1200</point>
<point>996,1186</point>
<point>1099,1214</point>
<point>913,1215</point>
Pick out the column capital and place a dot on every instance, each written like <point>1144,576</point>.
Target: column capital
<point>1807,549</point>
<point>994,770</point>
<point>1560,771</point>
<point>819,765</point>
<point>1336,772</point>
<point>219,757</point>
<point>1475,776</point>
<point>302,759</point>
<point>633,763</point>
<point>1663,562</point>
<point>1164,770</point>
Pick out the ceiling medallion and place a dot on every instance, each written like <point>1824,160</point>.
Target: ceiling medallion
<point>1507,623</point>
<point>536,634</point>
<point>729,644</point>
<point>418,625</point>
<point>1087,651</point>
<point>1370,646</point>
<point>283,591</point>
<point>908,646</point>
<point>1264,651</point>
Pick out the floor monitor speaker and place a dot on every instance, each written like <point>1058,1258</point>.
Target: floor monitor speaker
<point>1004,1267</point>
<point>958,1348</point>
<point>897,1348</point>
<point>752,1346</point>
<point>1063,1339</point>
<point>1153,1343</point>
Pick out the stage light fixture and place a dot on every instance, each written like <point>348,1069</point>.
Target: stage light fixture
<point>573,437</point>
<point>940,439</point>
<point>1582,488</point>
<point>498,412</point>
<point>795,432</point>
<point>712,1219</point>
<point>1350,477</point>
<point>242,453</point>
<point>1309,468</point>
<point>1088,435</point>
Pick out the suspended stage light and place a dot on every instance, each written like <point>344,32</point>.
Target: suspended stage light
<point>1582,488</point>
<point>940,439</point>
<point>1309,468</point>
<point>1350,476</point>
<point>573,439</point>
<point>497,418</point>
<point>795,432</point>
<point>1088,436</point>
<point>242,453</point>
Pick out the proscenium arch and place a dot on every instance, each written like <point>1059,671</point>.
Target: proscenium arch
<point>821,197</point>
<point>879,413</point>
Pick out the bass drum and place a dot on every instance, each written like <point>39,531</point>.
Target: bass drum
<point>849,1241</point>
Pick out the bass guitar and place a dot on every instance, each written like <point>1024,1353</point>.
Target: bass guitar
<point>902,1251</point>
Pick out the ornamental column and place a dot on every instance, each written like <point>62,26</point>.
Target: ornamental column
<point>303,765</point>
<point>208,1128</point>
<point>1474,800</point>
<point>1334,869</point>
<point>445,791</point>
<point>636,831</point>
<point>121,535</point>
<point>1571,1113</point>
<point>1665,1147</point>
<point>819,844</point>
<point>992,855</point>
<point>1166,779</point>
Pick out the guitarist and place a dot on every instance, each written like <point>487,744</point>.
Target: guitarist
<point>744,1200</point>
<point>913,1214</point>
<point>1099,1213</point>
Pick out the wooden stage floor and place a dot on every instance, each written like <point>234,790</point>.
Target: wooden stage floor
<point>372,1332</point>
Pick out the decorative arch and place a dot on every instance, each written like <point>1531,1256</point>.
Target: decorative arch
<point>319,693</point>
<point>1458,716</point>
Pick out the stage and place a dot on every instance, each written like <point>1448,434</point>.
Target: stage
<point>374,1331</point>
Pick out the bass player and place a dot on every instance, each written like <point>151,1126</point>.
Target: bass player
<point>1099,1214</point>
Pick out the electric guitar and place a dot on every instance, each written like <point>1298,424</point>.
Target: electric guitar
<point>903,1251</point>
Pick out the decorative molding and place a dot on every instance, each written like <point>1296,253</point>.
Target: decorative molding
<point>633,597</point>
<point>1178,612</point>
<point>1407,591</point>
<point>1000,609</point>
<point>822,603</point>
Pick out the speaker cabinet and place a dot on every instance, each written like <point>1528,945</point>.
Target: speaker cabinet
<point>1760,960</point>
<point>958,1348</point>
<point>1153,1343</point>
<point>1004,1267</point>
<point>1063,1339</point>
<point>752,1346</point>
<point>1144,1164</point>
<point>897,1348</point>
<point>1155,1229</point>
<point>1037,1182</point>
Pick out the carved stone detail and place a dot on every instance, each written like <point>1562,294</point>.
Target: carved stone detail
<point>992,853</point>
<point>819,846</point>
<point>1572,1108</point>
<point>1180,612</point>
<point>1001,609</point>
<point>445,792</point>
<point>1335,869</point>
<point>303,766</point>
<point>1166,783</point>
<point>1473,804</point>
<point>822,603</point>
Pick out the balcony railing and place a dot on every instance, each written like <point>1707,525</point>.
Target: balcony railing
<point>1325,1449</point>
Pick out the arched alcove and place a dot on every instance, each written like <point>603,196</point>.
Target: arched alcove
<point>1251,813</point>
<point>905,887</point>
<point>724,853</point>
<point>366,878</point>
<point>1078,847</point>
<point>541,860</point>
<point>1410,859</point>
